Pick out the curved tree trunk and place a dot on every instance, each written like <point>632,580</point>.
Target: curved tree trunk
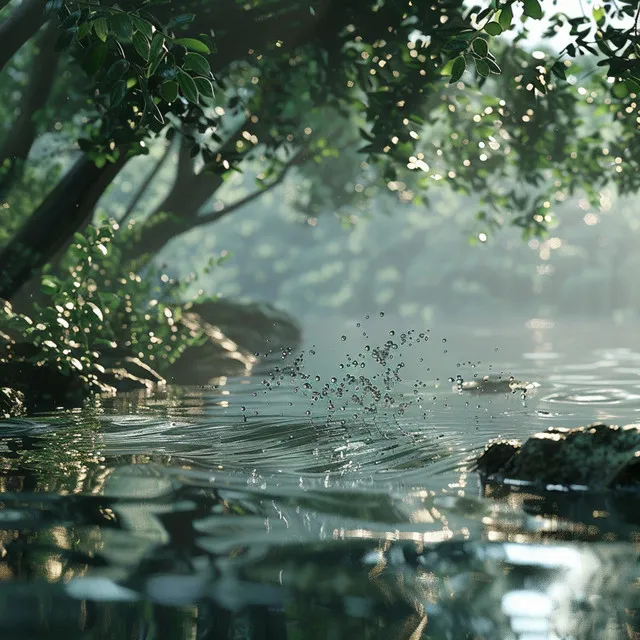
<point>181,205</point>
<point>19,27</point>
<point>51,227</point>
<point>19,140</point>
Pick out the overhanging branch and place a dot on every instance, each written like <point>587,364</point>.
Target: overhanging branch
<point>216,215</point>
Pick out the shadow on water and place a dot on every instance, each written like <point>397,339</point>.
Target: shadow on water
<point>321,501</point>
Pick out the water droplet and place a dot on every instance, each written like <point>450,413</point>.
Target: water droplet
<point>343,338</point>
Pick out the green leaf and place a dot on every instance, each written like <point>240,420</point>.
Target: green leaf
<point>558,70</point>
<point>117,70</point>
<point>493,28</point>
<point>188,86</point>
<point>84,29</point>
<point>598,15</point>
<point>459,65</point>
<point>122,25</point>
<point>143,26</point>
<point>480,47</point>
<point>620,90</point>
<point>205,87</point>
<point>155,112</point>
<point>48,286</point>
<point>141,44</point>
<point>633,84</point>
<point>538,85</point>
<point>101,27</point>
<point>505,18</point>
<point>193,44</point>
<point>95,58</point>
<point>156,53</point>
<point>493,67</point>
<point>197,63</point>
<point>169,91</point>
<point>532,9</point>
<point>71,20</point>
<point>457,44</point>
<point>66,38</point>
<point>482,68</point>
<point>96,310</point>
<point>118,92</point>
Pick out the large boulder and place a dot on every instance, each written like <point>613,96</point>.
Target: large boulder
<point>216,356</point>
<point>598,457</point>
<point>238,337</point>
<point>256,326</point>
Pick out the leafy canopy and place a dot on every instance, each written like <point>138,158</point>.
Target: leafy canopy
<point>436,91</point>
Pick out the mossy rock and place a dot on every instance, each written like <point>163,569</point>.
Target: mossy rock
<point>596,457</point>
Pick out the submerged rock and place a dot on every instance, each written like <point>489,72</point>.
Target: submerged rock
<point>597,457</point>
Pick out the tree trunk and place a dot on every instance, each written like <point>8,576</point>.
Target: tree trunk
<point>182,205</point>
<point>51,227</point>
<point>19,140</point>
<point>189,193</point>
<point>19,27</point>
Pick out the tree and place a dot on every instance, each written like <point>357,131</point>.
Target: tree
<point>389,96</point>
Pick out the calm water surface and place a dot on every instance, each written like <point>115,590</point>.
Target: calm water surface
<point>325,497</point>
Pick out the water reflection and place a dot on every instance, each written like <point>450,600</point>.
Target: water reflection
<point>250,509</point>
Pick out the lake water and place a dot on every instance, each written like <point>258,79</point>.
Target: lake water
<point>326,497</point>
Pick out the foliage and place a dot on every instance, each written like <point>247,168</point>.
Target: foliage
<point>361,99</point>
<point>141,71</point>
<point>383,66</point>
<point>92,312</point>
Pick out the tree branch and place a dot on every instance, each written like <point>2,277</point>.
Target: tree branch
<point>133,203</point>
<point>18,142</point>
<point>51,226</point>
<point>216,215</point>
<point>19,27</point>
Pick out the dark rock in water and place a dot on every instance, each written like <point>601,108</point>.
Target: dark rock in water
<point>42,387</point>
<point>256,326</point>
<point>216,356</point>
<point>494,384</point>
<point>597,457</point>
<point>234,333</point>
<point>31,385</point>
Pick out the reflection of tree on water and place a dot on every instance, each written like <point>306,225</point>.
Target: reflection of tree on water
<point>140,546</point>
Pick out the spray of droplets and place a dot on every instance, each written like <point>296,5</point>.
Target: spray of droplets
<point>367,381</point>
